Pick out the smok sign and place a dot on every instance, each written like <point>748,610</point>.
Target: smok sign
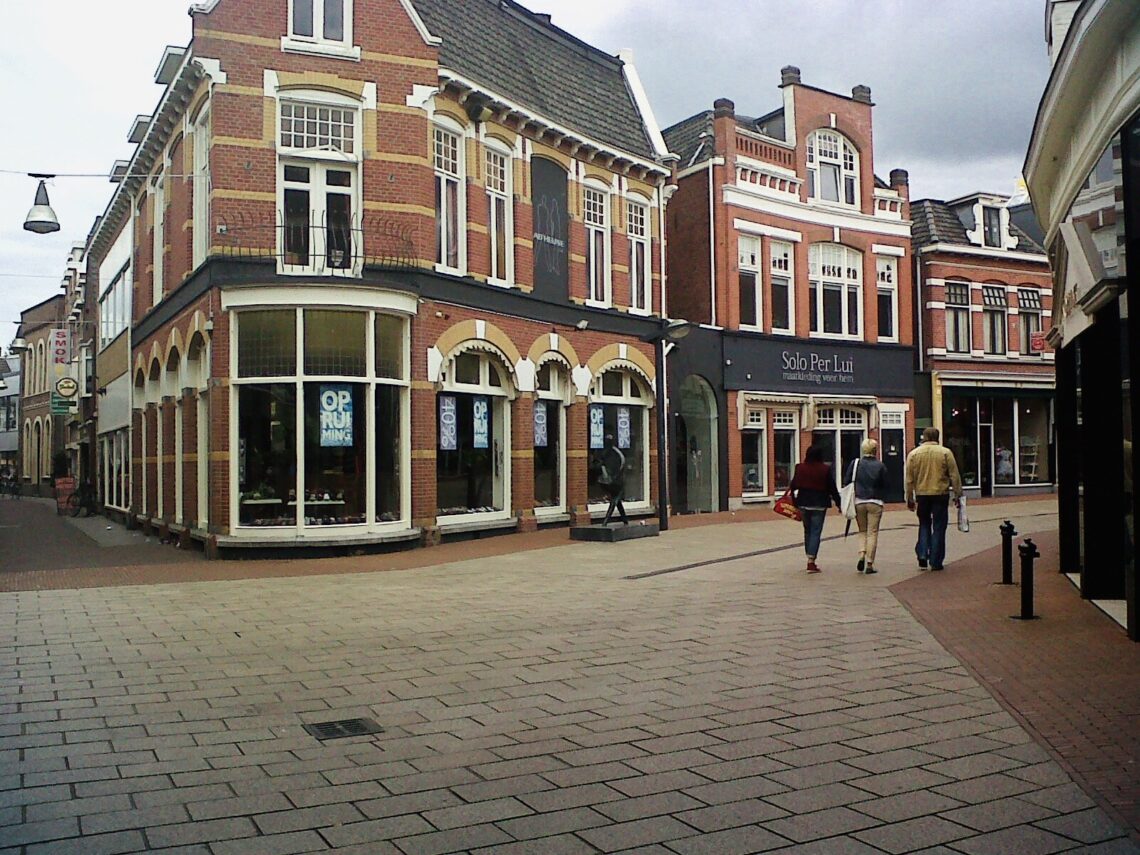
<point>819,369</point>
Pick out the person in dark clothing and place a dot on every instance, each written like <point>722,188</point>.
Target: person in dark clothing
<point>612,479</point>
<point>870,476</point>
<point>813,488</point>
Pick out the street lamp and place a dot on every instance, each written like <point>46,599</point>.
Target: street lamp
<point>672,331</point>
<point>41,218</point>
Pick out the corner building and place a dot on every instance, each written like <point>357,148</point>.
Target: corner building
<point>795,259</point>
<point>391,264</point>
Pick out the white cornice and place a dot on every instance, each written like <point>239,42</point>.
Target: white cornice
<point>995,254</point>
<point>816,216</point>
<point>751,228</point>
<point>699,168</point>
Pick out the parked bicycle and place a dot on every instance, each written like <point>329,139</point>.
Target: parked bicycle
<point>10,487</point>
<point>83,498</point>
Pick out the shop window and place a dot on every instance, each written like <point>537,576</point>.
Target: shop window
<point>886,270</point>
<point>335,454</point>
<point>1033,459</point>
<point>640,264</point>
<point>833,172</point>
<point>267,455</point>
<point>749,264</point>
<point>267,343</point>
<point>753,457</point>
<point>618,410</point>
<point>1028,319</point>
<point>596,217</point>
<point>335,342</point>
<point>447,159</point>
<point>785,447</point>
<point>1004,453</point>
<point>548,436</point>
<point>783,306</point>
<point>960,435</point>
<point>473,446</point>
<point>958,317</point>
<point>389,441</point>
<point>500,234</point>
<point>994,322</point>
<point>836,288</point>
<point>390,347</point>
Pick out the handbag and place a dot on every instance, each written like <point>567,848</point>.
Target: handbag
<point>847,494</point>
<point>786,507</point>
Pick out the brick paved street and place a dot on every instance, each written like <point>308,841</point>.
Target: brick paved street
<point>533,701</point>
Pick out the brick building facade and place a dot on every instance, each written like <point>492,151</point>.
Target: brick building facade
<point>785,245</point>
<point>986,304</point>
<point>390,267</point>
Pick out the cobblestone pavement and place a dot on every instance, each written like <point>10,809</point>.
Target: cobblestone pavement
<point>541,702</point>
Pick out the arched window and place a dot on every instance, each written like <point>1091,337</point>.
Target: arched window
<point>833,168</point>
<point>41,364</point>
<point>450,204</point>
<point>500,213</point>
<point>835,273</point>
<point>553,391</point>
<point>619,408</point>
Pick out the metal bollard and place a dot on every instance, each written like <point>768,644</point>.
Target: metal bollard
<point>1028,552</point>
<point>1007,535</point>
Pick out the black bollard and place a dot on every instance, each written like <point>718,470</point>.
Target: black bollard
<point>1007,534</point>
<point>1028,552</point>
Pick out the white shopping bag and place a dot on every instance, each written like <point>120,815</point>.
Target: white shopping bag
<point>963,520</point>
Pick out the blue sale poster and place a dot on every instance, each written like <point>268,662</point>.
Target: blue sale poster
<point>623,425</point>
<point>448,433</point>
<point>597,427</point>
<point>336,415</point>
<point>481,407</point>
<point>540,433</point>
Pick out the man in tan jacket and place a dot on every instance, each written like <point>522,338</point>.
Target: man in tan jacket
<point>931,475</point>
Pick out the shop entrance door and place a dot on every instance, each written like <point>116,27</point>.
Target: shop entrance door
<point>840,444</point>
<point>895,461</point>
<point>986,445</point>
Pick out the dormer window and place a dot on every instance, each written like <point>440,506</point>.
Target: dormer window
<point>833,168</point>
<point>991,226</point>
<point>321,27</point>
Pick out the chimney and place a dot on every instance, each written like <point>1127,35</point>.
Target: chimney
<point>723,108</point>
<point>861,93</point>
<point>900,178</point>
<point>543,16</point>
<point>789,74</point>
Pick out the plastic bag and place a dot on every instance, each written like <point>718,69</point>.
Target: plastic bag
<point>963,520</point>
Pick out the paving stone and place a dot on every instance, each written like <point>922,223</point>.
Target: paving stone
<point>274,844</point>
<point>93,844</point>
<point>455,840</point>
<point>824,823</point>
<point>297,819</point>
<point>731,841</point>
<point>100,823</point>
<point>906,805</point>
<point>901,781</point>
<point>1001,813</point>
<point>373,830</point>
<point>199,832</point>
<point>913,834</point>
<point>561,844</point>
<point>987,788</point>
<point>735,790</point>
<point>641,832</point>
<point>553,822</point>
<point>817,798</point>
<point>657,804</point>
<point>570,797</point>
<point>1087,826</point>
<point>1023,840</point>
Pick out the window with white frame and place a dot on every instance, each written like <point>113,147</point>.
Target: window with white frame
<point>596,216</point>
<point>749,264</point>
<point>500,231</point>
<point>448,162</point>
<point>113,307</point>
<point>619,408</point>
<point>753,457</point>
<point>1028,319</point>
<point>994,323</point>
<point>783,299</point>
<point>158,207</point>
<point>835,274</point>
<point>201,213</point>
<point>318,187</point>
<point>958,317</point>
<point>785,447</point>
<point>833,168</point>
<point>640,266</point>
<point>991,226</point>
<point>886,274</point>
<point>321,21</point>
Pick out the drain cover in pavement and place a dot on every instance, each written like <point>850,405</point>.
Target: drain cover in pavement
<point>345,727</point>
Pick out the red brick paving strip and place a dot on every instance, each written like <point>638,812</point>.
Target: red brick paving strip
<point>1071,678</point>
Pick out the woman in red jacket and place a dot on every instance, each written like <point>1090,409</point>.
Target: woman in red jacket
<point>814,490</point>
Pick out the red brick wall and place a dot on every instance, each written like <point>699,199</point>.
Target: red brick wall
<point>687,224</point>
<point>189,462</point>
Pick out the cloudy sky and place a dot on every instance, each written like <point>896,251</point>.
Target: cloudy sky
<point>956,86</point>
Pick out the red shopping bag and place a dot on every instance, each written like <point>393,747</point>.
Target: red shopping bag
<point>786,507</point>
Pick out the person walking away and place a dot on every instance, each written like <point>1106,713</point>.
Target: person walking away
<point>870,476</point>
<point>931,476</point>
<point>612,479</point>
<point>814,491</point>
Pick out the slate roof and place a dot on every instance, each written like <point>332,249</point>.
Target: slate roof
<point>933,221</point>
<point>521,56</point>
<point>683,138</point>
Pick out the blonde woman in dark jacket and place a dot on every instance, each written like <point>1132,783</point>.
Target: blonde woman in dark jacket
<point>870,490</point>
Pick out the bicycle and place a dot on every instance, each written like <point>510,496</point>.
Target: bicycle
<point>82,498</point>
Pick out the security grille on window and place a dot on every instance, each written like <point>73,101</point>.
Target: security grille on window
<point>639,267</point>
<point>994,325</point>
<point>783,309</point>
<point>499,214</point>
<point>594,205</point>
<point>958,317</point>
<point>320,20</point>
<point>318,228</point>
<point>832,168</point>
<point>1028,319</point>
<point>835,273</point>
<point>447,174</point>
<point>749,262</point>
<point>886,274</point>
<point>313,126</point>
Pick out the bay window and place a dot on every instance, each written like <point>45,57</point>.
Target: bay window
<point>448,162</point>
<point>500,227</point>
<point>833,168</point>
<point>749,264</point>
<point>596,217</point>
<point>640,266</point>
<point>783,299</point>
<point>835,275</point>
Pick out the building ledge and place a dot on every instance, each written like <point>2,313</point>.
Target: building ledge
<point>230,541</point>
<point>460,526</point>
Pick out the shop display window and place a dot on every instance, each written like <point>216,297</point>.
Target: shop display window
<point>548,444</point>
<point>618,410</point>
<point>1004,453</point>
<point>785,442</point>
<point>753,460</point>
<point>960,429</point>
<point>267,343</point>
<point>267,454</point>
<point>1033,458</point>
<point>335,454</point>
<point>389,426</point>
<point>335,343</point>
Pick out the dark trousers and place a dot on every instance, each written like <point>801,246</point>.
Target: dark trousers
<point>616,492</point>
<point>933,516</point>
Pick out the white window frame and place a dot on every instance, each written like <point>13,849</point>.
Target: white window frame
<point>557,393</point>
<point>749,262</point>
<point>370,380</point>
<point>500,193</point>
<point>444,175</point>
<point>887,281</point>
<point>158,223</point>
<point>789,422</point>
<point>597,218</point>
<point>999,244</point>
<point>845,160</point>
<point>782,265</point>
<point>639,233</point>
<point>320,160</point>
<point>317,42</point>
<point>954,311</point>
<point>201,212</point>
<point>637,404</point>
<point>995,317</point>
<point>755,425</point>
<point>1024,314</point>
<point>850,262</point>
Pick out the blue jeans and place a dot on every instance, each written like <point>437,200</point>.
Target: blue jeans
<point>933,515</point>
<point>813,531</point>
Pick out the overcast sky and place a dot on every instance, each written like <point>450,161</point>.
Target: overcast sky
<point>956,87</point>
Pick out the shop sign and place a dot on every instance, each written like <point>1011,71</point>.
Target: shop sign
<point>60,347</point>
<point>336,415</point>
<point>448,431</point>
<point>61,406</point>
<point>480,411</point>
<point>817,367</point>
<point>623,423</point>
<point>551,229</point>
<point>1038,342</point>
<point>540,433</point>
<point>67,387</point>
<point>597,427</point>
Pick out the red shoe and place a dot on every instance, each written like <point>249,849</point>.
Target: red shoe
<point>812,568</point>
